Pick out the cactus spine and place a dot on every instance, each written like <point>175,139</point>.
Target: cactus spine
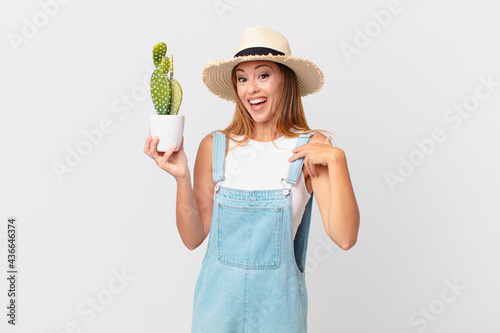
<point>166,92</point>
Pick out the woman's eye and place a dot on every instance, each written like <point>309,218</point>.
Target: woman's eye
<point>263,76</point>
<point>241,79</point>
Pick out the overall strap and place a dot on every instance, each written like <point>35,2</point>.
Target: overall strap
<point>296,166</point>
<point>218,156</point>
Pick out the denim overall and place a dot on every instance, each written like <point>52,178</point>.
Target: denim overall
<point>252,276</point>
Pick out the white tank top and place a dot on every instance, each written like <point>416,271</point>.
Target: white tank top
<point>260,166</point>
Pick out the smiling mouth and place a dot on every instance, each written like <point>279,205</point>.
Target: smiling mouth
<point>257,104</point>
<point>258,101</point>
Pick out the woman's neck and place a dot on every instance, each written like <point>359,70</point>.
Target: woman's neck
<point>264,135</point>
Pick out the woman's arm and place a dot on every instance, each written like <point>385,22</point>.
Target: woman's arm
<point>331,184</point>
<point>193,206</point>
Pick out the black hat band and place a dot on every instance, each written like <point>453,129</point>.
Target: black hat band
<point>258,51</point>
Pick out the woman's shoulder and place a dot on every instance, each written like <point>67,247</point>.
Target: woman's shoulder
<point>315,135</point>
<point>318,137</point>
<point>207,142</point>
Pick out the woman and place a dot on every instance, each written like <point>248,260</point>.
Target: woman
<point>252,277</point>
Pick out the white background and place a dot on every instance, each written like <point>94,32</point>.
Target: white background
<point>114,212</point>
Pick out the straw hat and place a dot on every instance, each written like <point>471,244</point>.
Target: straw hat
<point>261,44</point>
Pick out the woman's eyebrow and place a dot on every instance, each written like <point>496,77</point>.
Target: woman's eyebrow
<point>241,70</point>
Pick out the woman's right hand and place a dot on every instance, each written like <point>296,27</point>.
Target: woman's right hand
<point>175,164</point>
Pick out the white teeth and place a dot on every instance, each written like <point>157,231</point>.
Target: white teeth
<point>255,101</point>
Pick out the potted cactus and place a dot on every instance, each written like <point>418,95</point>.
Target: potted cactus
<point>166,93</point>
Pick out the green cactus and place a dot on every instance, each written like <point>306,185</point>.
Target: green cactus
<point>159,51</point>
<point>171,67</point>
<point>165,65</point>
<point>176,99</point>
<point>166,92</point>
<point>160,92</point>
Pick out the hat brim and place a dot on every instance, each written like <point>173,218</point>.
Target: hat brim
<point>217,74</point>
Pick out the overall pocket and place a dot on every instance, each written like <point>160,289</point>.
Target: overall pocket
<point>250,237</point>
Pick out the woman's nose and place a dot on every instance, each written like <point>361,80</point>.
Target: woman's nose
<point>252,86</point>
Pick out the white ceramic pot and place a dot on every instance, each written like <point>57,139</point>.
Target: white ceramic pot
<point>169,128</point>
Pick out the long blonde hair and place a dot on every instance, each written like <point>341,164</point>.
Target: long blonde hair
<point>290,112</point>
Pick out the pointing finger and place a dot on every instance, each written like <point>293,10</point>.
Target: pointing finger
<point>295,156</point>
<point>313,169</point>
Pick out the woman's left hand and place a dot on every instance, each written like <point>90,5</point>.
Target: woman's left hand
<point>316,153</point>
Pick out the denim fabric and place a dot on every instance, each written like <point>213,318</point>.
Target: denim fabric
<point>252,278</point>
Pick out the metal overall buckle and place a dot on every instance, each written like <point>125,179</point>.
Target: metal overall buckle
<point>286,191</point>
<point>217,186</point>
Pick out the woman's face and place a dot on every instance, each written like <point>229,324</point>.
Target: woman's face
<point>259,88</point>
